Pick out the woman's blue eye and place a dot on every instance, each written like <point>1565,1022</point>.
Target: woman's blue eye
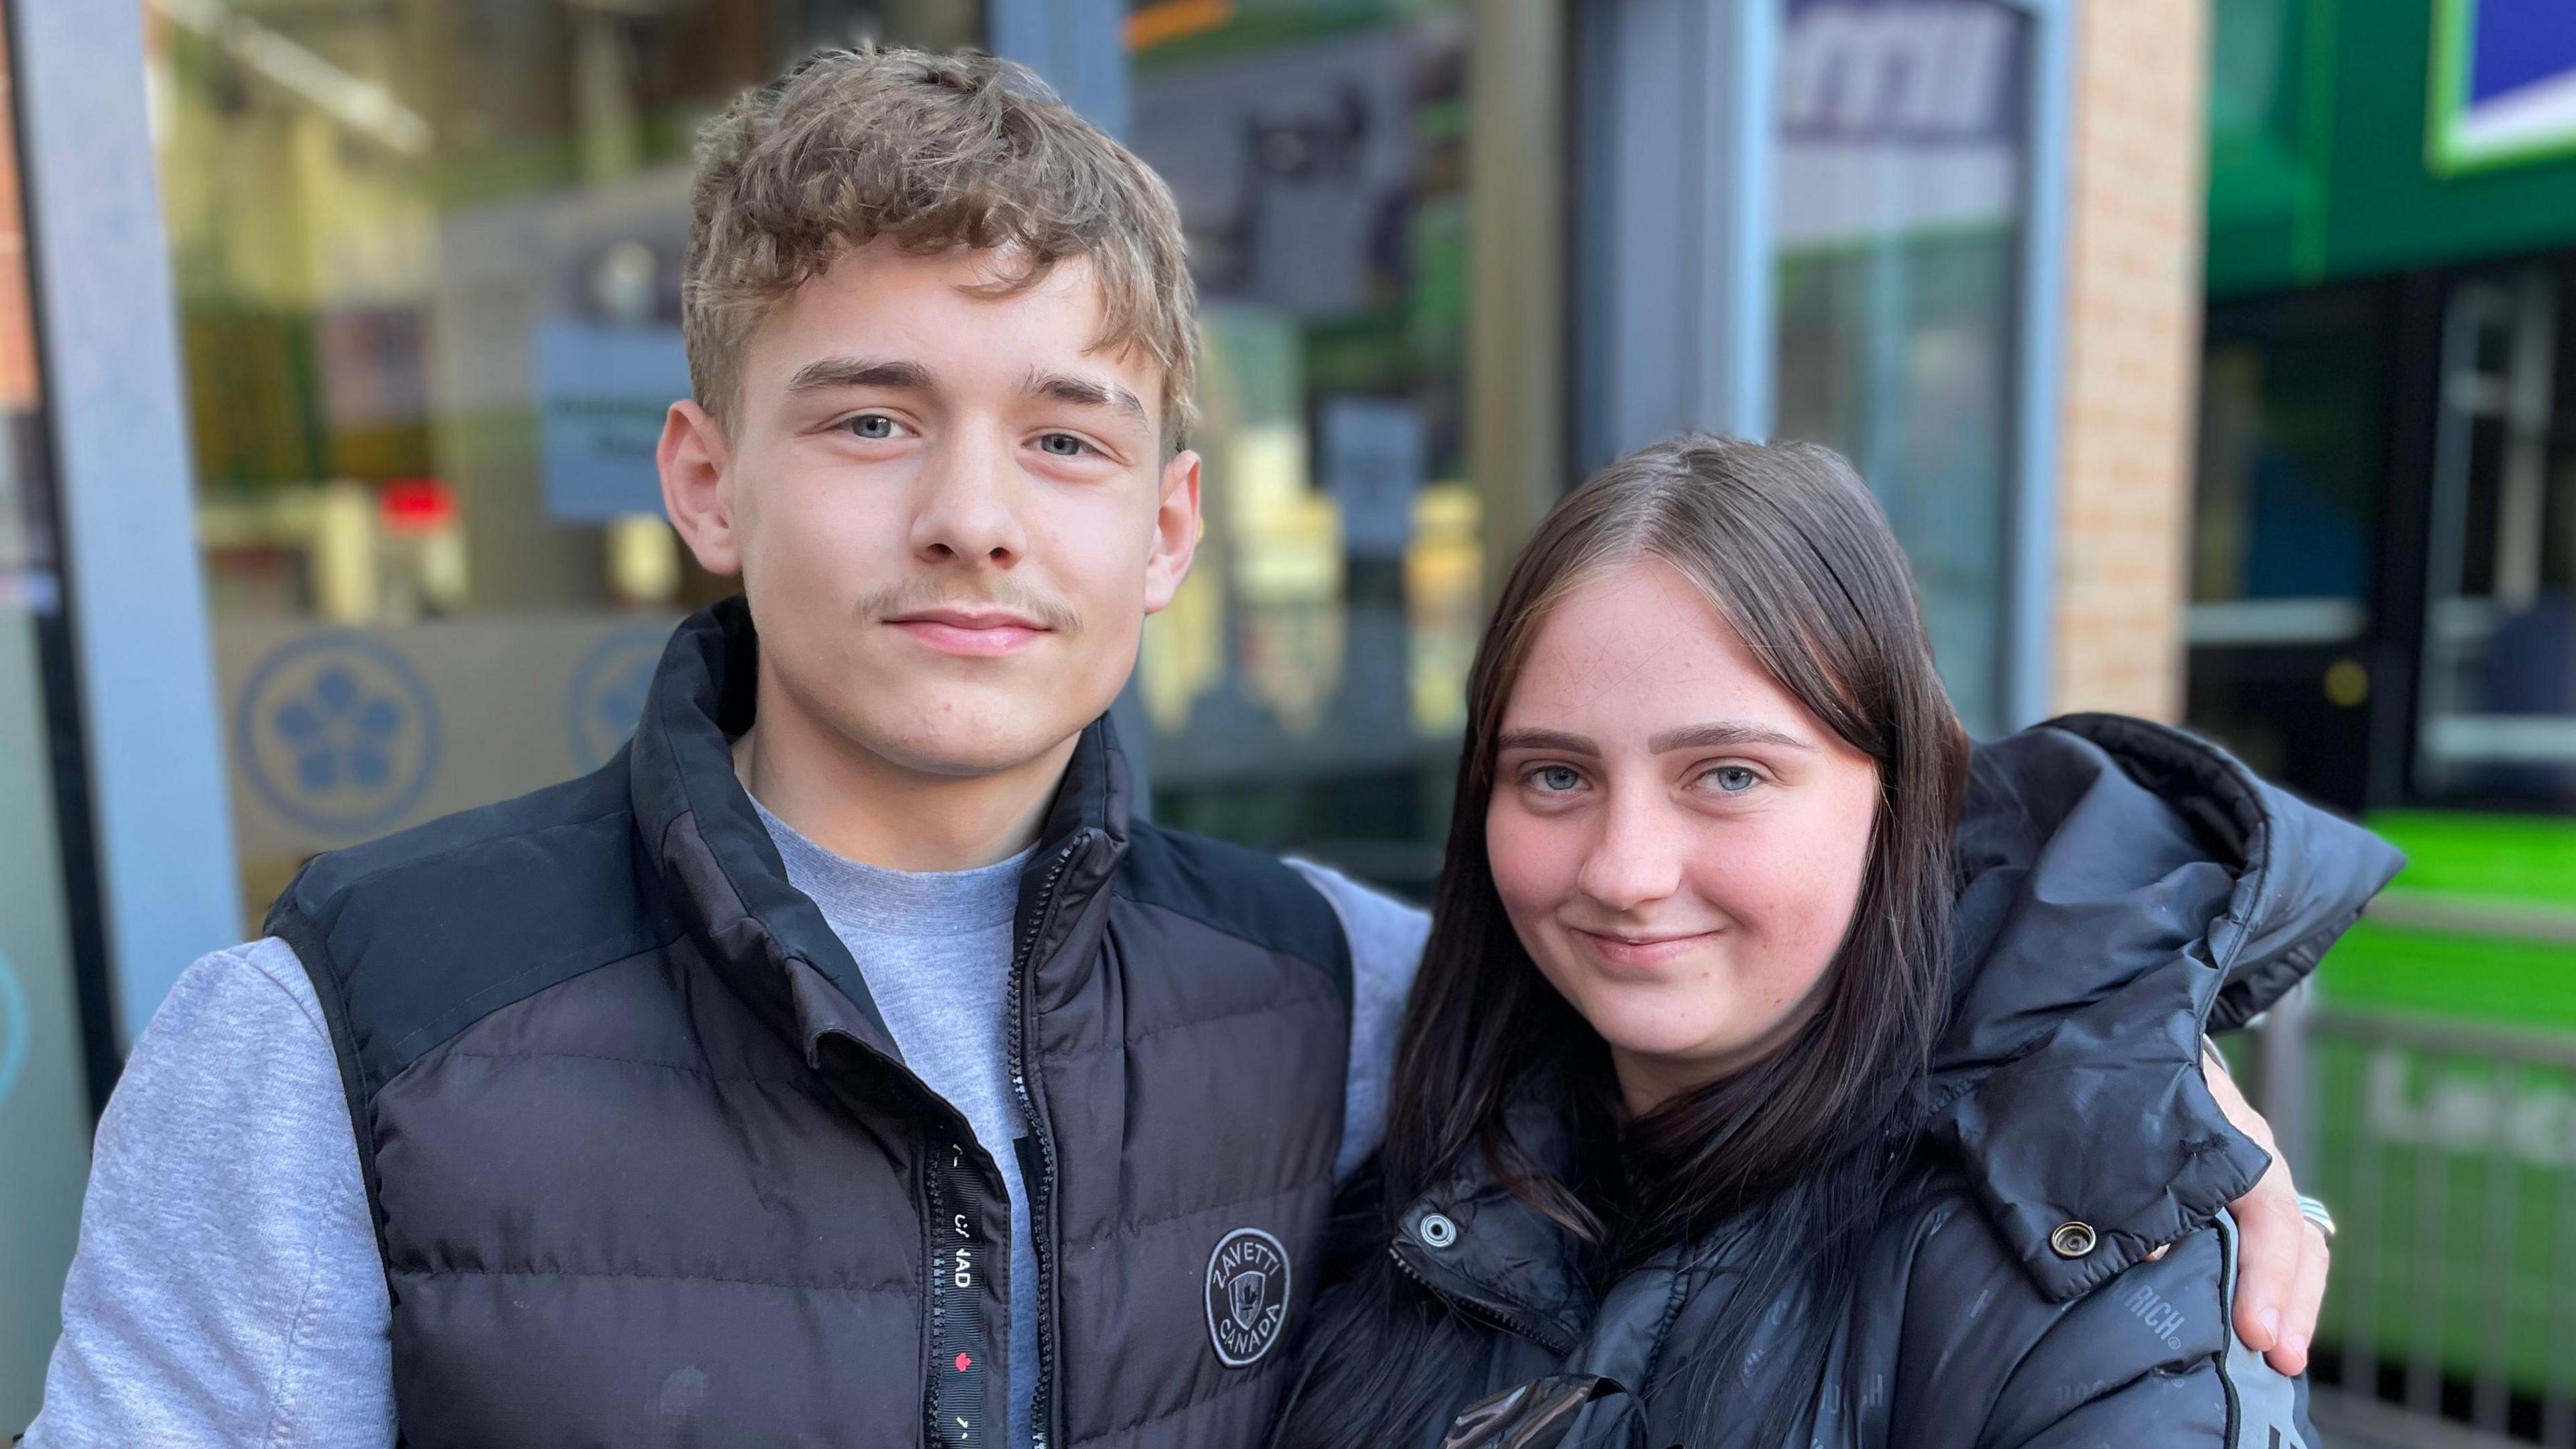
<point>1062,445</point>
<point>1732,779</point>
<point>1555,778</point>
<point>876,427</point>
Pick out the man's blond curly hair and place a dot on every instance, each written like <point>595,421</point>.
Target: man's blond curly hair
<point>934,152</point>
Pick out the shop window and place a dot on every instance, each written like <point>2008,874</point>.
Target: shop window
<point>2287,501</point>
<point>2292,448</point>
<point>2497,700</point>
<point>1307,687</point>
<point>427,256</point>
<point>1903,191</point>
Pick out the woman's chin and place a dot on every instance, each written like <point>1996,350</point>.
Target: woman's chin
<point>1663,1042</point>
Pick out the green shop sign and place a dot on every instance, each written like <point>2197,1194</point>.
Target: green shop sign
<point>2353,138</point>
<point>2504,84</point>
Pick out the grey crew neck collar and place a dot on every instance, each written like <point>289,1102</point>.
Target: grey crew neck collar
<point>897,902</point>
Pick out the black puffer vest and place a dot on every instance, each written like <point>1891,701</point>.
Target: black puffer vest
<point>647,1168</point>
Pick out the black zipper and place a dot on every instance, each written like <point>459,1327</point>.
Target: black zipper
<point>1042,1409</point>
<point>1502,1318</point>
<point>944,1129</point>
<point>960,1322</point>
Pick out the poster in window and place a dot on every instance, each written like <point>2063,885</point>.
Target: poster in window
<point>2503,84</point>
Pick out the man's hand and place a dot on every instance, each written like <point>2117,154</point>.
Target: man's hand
<point>2281,1275</point>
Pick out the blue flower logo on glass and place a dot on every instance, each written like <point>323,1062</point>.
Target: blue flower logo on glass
<point>340,732</point>
<point>608,689</point>
<point>337,733</point>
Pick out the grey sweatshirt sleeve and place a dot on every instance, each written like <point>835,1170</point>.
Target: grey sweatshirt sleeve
<point>227,1289</point>
<point>1386,937</point>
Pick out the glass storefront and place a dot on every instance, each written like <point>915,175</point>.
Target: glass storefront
<point>44,1094</point>
<point>2497,708</point>
<point>427,253</point>
<point>428,257</point>
<point>1903,187</point>
<point>1306,688</point>
<point>2285,506</point>
<point>2286,532</point>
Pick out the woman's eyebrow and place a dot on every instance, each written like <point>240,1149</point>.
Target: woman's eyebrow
<point>1557,740</point>
<point>1721,733</point>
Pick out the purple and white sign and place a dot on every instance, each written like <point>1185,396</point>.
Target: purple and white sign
<point>1899,117</point>
<point>2504,82</point>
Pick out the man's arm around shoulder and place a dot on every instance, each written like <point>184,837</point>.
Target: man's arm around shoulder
<point>1386,937</point>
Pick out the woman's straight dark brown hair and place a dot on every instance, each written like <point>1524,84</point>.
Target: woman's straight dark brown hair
<point>1793,553</point>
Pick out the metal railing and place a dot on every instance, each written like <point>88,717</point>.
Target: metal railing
<point>2448,1153</point>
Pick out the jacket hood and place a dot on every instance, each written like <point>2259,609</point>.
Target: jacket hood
<point>2126,887</point>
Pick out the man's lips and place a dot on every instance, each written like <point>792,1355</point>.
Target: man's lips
<point>1641,948</point>
<point>974,632</point>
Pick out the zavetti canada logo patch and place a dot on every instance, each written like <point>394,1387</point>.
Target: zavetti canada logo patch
<point>1247,1296</point>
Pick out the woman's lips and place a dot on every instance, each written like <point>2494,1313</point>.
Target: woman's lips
<point>965,635</point>
<point>1656,949</point>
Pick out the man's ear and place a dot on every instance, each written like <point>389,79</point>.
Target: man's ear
<point>1176,531</point>
<point>697,486</point>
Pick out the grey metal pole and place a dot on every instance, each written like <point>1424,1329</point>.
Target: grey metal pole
<point>2284,1086</point>
<point>137,600</point>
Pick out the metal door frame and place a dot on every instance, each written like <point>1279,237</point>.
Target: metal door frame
<point>159,823</point>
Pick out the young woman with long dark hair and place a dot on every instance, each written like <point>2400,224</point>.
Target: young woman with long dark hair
<point>1684,1146</point>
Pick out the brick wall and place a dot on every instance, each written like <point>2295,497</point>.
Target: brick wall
<point>2133,313</point>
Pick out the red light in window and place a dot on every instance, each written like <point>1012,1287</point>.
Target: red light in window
<point>418,505</point>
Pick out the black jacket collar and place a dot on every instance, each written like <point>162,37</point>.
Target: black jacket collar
<point>701,835</point>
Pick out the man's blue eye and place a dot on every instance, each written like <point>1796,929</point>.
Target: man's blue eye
<point>1062,445</point>
<point>873,426</point>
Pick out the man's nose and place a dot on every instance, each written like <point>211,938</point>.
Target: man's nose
<point>969,510</point>
<point>1637,857</point>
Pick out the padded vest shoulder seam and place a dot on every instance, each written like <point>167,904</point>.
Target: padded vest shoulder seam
<point>1230,933</point>
<point>908,1287</point>
<point>635,944</point>
<point>339,894</point>
<point>1076,1053</point>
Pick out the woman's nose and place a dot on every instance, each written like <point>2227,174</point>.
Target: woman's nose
<point>1636,859</point>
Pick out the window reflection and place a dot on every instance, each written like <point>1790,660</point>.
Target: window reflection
<point>2499,683</point>
<point>2285,508</point>
<point>2286,520</point>
<point>428,253</point>
<point>1307,686</point>
<point>1902,170</point>
<point>427,256</point>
